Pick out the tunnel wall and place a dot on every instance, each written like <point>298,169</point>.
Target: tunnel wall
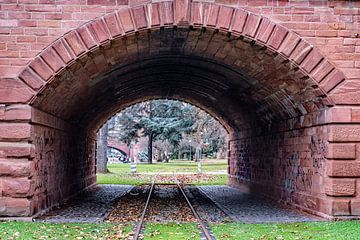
<point>64,165</point>
<point>310,163</point>
<point>45,161</point>
<point>286,166</point>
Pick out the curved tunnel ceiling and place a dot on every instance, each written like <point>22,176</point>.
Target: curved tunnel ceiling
<point>234,80</point>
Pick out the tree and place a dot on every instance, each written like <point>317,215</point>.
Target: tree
<point>162,120</point>
<point>101,155</point>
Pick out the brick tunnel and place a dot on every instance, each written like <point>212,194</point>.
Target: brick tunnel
<point>281,77</point>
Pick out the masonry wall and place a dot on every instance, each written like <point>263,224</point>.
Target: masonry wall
<point>27,27</point>
<point>288,167</point>
<point>63,165</point>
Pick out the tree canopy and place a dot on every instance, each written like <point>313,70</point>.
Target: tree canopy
<point>169,122</point>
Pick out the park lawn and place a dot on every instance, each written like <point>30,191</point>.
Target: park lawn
<point>120,173</point>
<point>31,230</point>
<point>342,230</point>
<point>172,166</point>
<point>171,231</point>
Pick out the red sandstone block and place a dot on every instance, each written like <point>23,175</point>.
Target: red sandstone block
<point>181,11</point>
<point>322,70</point>
<point>87,37</point>
<point>53,59</point>
<point>100,30</point>
<point>344,133</point>
<point>14,167</point>
<point>343,168</point>
<point>340,207</point>
<point>251,25</point>
<point>225,16</point>
<point>341,151</point>
<point>340,187</point>
<point>31,78</point>
<point>211,14</point>
<point>300,52</point>
<point>355,207</point>
<point>126,20</point>
<point>14,91</point>
<point>63,51</point>
<point>18,112</point>
<point>139,17</point>
<point>355,115</point>
<point>197,13</point>
<point>265,30</point>
<point>351,73</point>
<point>166,13</point>
<point>312,60</point>
<point>16,187</point>
<point>15,131</point>
<point>277,37</point>
<point>41,68</point>
<point>289,44</point>
<point>113,24</point>
<point>102,2</point>
<point>239,20</point>
<point>75,43</point>
<point>17,206</point>
<point>332,80</point>
<point>339,115</point>
<point>17,150</point>
<point>154,16</point>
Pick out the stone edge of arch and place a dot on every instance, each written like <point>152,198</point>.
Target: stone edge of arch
<point>182,13</point>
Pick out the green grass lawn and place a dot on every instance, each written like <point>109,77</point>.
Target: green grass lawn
<point>172,231</point>
<point>344,230</point>
<point>29,230</point>
<point>120,173</point>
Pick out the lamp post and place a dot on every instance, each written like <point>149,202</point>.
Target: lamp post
<point>190,149</point>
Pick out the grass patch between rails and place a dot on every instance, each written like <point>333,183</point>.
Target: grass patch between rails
<point>120,173</point>
<point>343,230</point>
<point>172,231</point>
<point>31,230</point>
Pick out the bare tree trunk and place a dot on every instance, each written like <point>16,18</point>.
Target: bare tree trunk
<point>150,144</point>
<point>102,150</point>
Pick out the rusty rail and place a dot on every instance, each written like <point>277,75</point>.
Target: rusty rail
<point>141,222</point>
<point>204,229</point>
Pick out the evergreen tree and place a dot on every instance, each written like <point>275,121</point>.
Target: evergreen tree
<point>157,120</point>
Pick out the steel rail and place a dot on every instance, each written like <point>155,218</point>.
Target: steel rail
<point>141,222</point>
<point>200,222</point>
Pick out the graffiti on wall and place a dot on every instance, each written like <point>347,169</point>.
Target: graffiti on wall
<point>318,149</point>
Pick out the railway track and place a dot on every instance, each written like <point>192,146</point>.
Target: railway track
<point>206,234</point>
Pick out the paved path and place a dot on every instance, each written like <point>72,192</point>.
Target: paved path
<point>89,207</point>
<point>244,207</point>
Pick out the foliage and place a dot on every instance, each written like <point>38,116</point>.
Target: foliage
<point>172,127</point>
<point>162,120</point>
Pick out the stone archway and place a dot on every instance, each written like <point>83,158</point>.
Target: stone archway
<point>269,88</point>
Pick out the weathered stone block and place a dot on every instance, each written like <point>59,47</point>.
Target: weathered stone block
<point>340,187</point>
<point>16,187</point>
<point>341,151</point>
<point>343,168</point>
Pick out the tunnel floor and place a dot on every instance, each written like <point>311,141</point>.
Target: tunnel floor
<point>124,203</point>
